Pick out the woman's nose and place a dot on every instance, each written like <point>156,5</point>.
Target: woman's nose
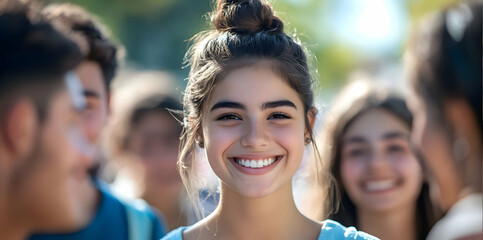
<point>255,136</point>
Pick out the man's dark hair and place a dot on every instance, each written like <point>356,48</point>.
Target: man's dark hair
<point>90,35</point>
<point>34,56</point>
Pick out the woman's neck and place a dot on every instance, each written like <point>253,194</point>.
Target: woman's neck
<point>399,224</point>
<point>271,217</point>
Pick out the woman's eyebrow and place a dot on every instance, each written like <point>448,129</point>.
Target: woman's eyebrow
<point>279,103</point>
<point>228,104</point>
<point>237,105</point>
<point>354,139</point>
<point>395,135</point>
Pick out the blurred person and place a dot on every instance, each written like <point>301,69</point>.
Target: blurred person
<point>444,64</point>
<point>43,154</point>
<point>146,139</point>
<point>109,216</point>
<point>378,177</point>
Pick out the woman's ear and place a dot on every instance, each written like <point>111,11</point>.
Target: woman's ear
<point>199,139</point>
<point>460,117</point>
<point>311,114</point>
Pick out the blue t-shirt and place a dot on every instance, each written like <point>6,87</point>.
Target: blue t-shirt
<point>110,222</point>
<point>331,230</point>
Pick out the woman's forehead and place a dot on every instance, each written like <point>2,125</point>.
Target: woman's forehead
<point>375,124</point>
<point>253,84</point>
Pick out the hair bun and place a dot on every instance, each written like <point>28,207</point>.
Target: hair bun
<point>245,16</point>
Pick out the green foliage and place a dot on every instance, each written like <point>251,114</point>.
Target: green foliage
<point>155,32</point>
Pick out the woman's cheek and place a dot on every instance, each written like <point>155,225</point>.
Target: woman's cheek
<point>217,141</point>
<point>411,169</point>
<point>351,172</point>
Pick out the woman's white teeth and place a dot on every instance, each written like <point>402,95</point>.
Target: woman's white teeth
<point>380,185</point>
<point>255,163</point>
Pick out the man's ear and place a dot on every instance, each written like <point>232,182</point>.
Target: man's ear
<point>19,128</point>
<point>464,123</point>
<point>461,118</point>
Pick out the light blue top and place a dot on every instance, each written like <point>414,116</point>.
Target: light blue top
<point>331,230</point>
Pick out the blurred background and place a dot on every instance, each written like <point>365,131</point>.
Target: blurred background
<point>343,36</point>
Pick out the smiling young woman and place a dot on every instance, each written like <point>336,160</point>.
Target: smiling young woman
<point>249,104</point>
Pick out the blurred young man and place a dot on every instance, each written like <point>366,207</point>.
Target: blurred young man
<point>110,217</point>
<point>42,150</point>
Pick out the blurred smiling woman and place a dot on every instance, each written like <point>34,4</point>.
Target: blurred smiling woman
<point>366,146</point>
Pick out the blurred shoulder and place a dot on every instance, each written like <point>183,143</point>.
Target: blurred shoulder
<point>464,219</point>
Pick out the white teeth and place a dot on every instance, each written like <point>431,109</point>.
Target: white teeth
<point>380,185</point>
<point>255,163</point>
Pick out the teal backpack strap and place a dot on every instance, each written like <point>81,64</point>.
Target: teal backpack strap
<point>140,225</point>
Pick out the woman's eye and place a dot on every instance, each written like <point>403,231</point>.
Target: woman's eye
<point>229,116</point>
<point>279,115</point>
<point>395,149</point>
<point>356,152</point>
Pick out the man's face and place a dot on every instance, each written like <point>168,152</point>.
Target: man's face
<point>54,169</point>
<point>95,92</point>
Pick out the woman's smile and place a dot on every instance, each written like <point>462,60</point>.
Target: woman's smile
<point>255,165</point>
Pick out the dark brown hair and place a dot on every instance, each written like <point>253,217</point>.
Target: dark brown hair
<point>34,56</point>
<point>444,58</point>
<point>246,32</point>
<point>90,34</point>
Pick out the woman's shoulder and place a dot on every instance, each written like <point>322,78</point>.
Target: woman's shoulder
<point>176,234</point>
<point>335,231</point>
